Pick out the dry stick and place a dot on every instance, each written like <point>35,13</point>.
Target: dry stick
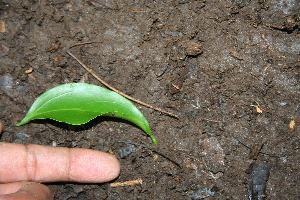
<point>155,151</point>
<point>243,143</point>
<point>126,183</point>
<point>112,88</point>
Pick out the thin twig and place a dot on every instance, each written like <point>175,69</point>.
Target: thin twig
<point>112,88</point>
<point>138,181</point>
<point>244,144</point>
<point>155,151</point>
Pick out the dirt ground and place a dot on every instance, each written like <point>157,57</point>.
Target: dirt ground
<point>229,69</point>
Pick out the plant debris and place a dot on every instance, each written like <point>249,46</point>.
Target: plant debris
<point>127,183</point>
<point>176,85</point>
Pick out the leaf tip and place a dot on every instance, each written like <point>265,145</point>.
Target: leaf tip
<point>153,139</point>
<point>21,123</point>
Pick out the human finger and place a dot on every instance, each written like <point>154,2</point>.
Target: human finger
<point>53,164</point>
<point>25,191</point>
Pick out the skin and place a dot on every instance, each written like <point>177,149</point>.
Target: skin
<point>24,167</point>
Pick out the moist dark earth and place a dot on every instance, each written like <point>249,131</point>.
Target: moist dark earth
<point>229,69</point>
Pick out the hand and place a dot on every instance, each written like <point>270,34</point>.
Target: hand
<point>23,167</point>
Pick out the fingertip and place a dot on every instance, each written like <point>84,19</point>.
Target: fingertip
<point>93,166</point>
<point>113,167</point>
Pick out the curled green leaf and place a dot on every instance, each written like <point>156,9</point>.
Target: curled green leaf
<point>78,103</point>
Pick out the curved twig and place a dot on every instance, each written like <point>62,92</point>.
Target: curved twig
<point>112,88</point>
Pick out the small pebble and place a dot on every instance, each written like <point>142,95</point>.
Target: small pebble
<point>258,181</point>
<point>22,136</point>
<point>77,188</point>
<point>283,103</point>
<point>125,151</point>
<point>53,143</point>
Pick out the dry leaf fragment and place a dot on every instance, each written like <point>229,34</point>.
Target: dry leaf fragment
<point>236,55</point>
<point>30,70</point>
<point>192,48</point>
<point>54,47</point>
<point>255,150</point>
<point>292,124</point>
<point>257,107</point>
<point>2,26</point>
<point>178,83</point>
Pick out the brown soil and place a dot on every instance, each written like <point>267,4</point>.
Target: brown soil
<point>229,69</point>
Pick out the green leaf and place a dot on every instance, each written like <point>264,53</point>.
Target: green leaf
<point>78,103</point>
